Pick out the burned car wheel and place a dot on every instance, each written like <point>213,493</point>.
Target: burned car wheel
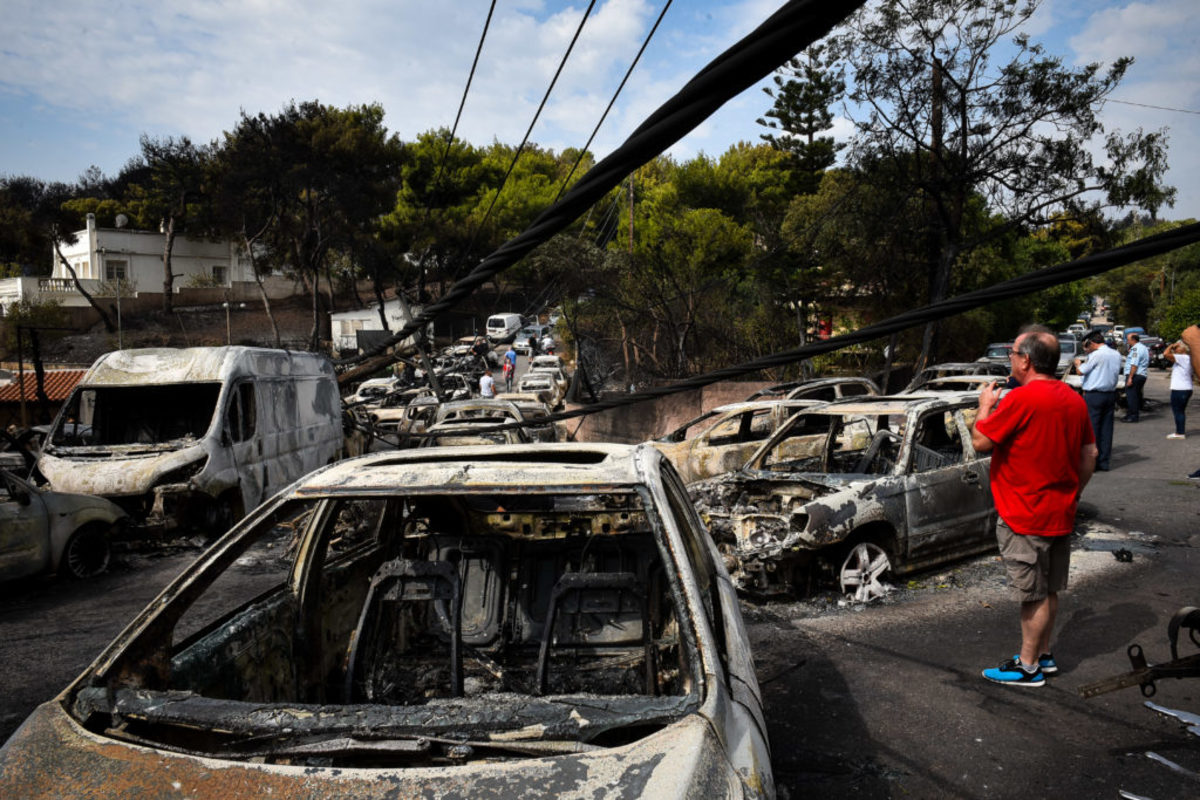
<point>86,554</point>
<point>864,571</point>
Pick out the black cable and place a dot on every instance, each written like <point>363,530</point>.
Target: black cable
<point>463,102</point>
<point>520,148</point>
<point>1025,284</point>
<point>563,187</point>
<point>794,27</point>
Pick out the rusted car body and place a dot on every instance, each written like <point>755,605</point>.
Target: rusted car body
<point>543,385</point>
<point>534,409</point>
<point>541,620</point>
<point>722,439</point>
<point>196,435</point>
<point>46,531</point>
<point>854,491</point>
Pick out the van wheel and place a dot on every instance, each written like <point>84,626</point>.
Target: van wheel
<point>86,554</point>
<point>223,514</point>
<point>864,572</point>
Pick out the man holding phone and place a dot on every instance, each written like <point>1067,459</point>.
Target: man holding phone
<point>1043,454</point>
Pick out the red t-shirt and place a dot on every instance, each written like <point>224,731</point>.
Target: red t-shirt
<point>1039,430</point>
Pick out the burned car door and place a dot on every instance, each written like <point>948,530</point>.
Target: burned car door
<point>744,729</point>
<point>24,534</point>
<point>726,446</point>
<point>947,496</point>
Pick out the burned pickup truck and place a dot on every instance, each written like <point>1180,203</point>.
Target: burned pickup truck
<point>534,620</point>
<point>854,492</point>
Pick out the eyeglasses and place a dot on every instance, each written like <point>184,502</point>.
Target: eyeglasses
<point>1012,353</point>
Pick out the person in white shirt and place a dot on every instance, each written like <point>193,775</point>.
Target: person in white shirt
<point>487,386</point>
<point>1179,354</point>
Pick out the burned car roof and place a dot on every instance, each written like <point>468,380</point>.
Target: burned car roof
<point>454,622</point>
<point>550,467</point>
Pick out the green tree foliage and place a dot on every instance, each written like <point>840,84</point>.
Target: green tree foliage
<point>955,126</point>
<point>327,174</point>
<point>805,90</point>
<point>169,195</point>
<point>1151,293</point>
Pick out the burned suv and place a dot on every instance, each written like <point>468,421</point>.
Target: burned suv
<point>459,622</point>
<point>854,491</point>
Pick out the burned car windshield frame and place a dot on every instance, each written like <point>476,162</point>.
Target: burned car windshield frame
<point>171,677</point>
<point>143,415</point>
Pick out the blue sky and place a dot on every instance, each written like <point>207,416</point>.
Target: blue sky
<point>80,81</point>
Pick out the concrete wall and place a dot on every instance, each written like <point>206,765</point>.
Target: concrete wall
<point>654,418</point>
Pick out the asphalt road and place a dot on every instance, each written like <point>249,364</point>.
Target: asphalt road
<point>875,702</point>
<point>888,701</point>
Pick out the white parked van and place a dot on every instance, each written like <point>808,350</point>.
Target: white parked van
<point>196,436</point>
<point>503,327</point>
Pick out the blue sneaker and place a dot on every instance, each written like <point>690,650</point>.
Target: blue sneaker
<point>1011,673</point>
<point>1046,661</point>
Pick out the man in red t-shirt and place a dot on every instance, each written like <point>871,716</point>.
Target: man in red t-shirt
<point>1043,454</point>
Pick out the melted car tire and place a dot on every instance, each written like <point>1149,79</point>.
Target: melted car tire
<point>863,570</point>
<point>86,554</point>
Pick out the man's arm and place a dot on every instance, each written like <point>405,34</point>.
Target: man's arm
<point>988,397</point>
<point>1087,464</point>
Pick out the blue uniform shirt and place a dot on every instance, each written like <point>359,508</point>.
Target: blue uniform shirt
<point>1139,356</point>
<point>1101,370</point>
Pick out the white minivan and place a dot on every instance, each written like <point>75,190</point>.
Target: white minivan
<point>503,327</point>
<point>197,436</point>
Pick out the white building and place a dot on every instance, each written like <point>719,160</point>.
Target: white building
<point>345,325</point>
<point>105,258</point>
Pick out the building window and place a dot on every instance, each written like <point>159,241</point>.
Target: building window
<point>114,269</point>
<point>220,275</point>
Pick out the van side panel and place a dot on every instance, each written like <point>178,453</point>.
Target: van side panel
<point>260,440</point>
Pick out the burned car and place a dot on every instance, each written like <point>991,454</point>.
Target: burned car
<point>195,436</point>
<point>45,531</point>
<point>854,492</point>
<point>469,622</point>
<point>824,389</point>
<point>723,438</point>
<point>952,368</point>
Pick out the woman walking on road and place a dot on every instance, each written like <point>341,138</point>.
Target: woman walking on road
<point>1179,354</point>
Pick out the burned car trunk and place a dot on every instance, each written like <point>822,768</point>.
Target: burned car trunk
<point>489,618</point>
<point>854,492</point>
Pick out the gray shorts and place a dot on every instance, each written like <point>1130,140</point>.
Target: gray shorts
<point>1037,565</point>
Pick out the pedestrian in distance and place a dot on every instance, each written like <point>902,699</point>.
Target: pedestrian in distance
<point>1191,337</point>
<point>1180,356</point>
<point>487,385</point>
<point>1137,365</point>
<point>1043,454</point>
<point>508,374</point>
<point>1100,373</point>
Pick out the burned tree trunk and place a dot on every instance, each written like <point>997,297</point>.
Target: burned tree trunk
<point>108,324</point>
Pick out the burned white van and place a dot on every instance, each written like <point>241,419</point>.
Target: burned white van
<point>195,437</point>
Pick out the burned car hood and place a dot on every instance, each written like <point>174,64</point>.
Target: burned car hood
<point>51,754</point>
<point>112,471</point>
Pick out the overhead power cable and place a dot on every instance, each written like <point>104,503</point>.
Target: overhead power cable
<point>520,148</point>
<point>567,180</point>
<point>463,102</point>
<point>794,27</point>
<point>1039,280</point>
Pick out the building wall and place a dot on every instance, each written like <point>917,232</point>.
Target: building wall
<point>99,251</point>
